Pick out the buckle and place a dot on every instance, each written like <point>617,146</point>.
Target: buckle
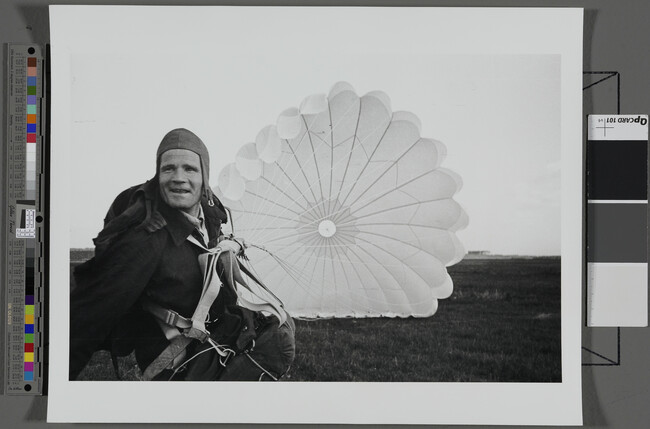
<point>172,318</point>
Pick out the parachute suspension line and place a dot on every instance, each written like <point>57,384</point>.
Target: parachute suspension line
<point>333,214</point>
<point>354,140</point>
<point>354,182</point>
<point>369,200</point>
<point>301,278</point>
<point>313,151</point>
<point>264,371</point>
<point>351,185</point>
<point>298,276</point>
<point>258,280</point>
<point>329,195</point>
<point>223,352</point>
<point>291,271</point>
<point>302,139</point>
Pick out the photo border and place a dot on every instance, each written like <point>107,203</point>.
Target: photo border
<point>495,31</point>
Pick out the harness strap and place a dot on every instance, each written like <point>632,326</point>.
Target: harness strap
<point>191,329</point>
<point>195,328</point>
<point>166,316</point>
<point>175,348</point>
<point>211,287</point>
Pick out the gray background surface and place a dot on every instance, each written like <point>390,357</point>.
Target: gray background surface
<point>616,35</point>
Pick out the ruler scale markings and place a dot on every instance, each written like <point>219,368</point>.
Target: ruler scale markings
<point>24,323</point>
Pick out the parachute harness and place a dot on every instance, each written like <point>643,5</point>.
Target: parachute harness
<point>181,331</point>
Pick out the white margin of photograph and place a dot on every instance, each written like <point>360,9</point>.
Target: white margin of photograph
<point>463,30</point>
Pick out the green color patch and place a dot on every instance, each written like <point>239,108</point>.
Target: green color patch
<point>29,309</point>
<point>29,338</point>
<point>31,90</point>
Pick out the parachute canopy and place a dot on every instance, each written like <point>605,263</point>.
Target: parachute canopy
<point>348,208</point>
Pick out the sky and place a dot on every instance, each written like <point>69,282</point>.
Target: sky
<point>498,115</point>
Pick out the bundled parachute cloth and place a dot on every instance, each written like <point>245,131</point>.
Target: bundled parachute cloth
<point>262,347</point>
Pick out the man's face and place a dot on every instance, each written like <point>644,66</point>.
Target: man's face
<point>181,180</point>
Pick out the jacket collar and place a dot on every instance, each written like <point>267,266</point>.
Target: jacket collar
<point>160,215</point>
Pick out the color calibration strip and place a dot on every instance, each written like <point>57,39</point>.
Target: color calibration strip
<point>28,227</point>
<point>617,220</point>
<point>24,292</point>
<point>32,117</point>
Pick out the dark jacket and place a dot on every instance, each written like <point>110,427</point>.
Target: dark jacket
<point>142,251</point>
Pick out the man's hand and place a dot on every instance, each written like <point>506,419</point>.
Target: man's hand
<point>232,244</point>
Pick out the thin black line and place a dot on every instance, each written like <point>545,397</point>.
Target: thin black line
<point>599,355</point>
<point>598,81</point>
<point>618,94</point>
<point>618,353</point>
<point>618,338</point>
<point>618,329</point>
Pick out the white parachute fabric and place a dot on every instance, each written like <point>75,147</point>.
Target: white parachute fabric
<point>350,208</point>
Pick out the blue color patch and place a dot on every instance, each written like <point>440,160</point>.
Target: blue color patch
<point>31,128</point>
<point>29,376</point>
<point>29,329</point>
<point>31,81</point>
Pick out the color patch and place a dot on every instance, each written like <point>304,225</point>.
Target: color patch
<point>31,109</point>
<point>31,71</point>
<point>31,119</point>
<point>31,90</point>
<point>29,319</point>
<point>29,329</point>
<point>32,62</point>
<point>618,294</point>
<point>617,170</point>
<point>29,357</point>
<point>29,347</point>
<point>31,138</point>
<point>29,376</point>
<point>31,99</point>
<point>613,233</point>
<point>617,224</point>
<point>31,81</point>
<point>29,338</point>
<point>29,300</point>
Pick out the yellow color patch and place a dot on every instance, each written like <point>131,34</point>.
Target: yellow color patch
<point>29,319</point>
<point>29,357</point>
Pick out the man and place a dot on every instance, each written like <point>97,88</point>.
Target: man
<point>163,283</point>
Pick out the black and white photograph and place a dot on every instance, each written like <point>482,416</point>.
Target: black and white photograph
<point>355,204</point>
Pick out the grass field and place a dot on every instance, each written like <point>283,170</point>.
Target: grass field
<point>502,324</point>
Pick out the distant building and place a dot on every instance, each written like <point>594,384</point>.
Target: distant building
<point>478,252</point>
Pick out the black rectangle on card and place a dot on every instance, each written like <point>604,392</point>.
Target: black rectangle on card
<point>617,170</point>
<point>617,233</point>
